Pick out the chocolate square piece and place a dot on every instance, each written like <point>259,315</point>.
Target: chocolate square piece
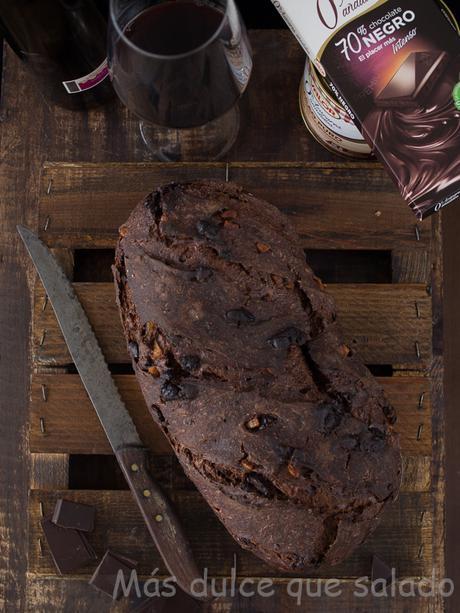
<point>68,514</point>
<point>69,548</point>
<point>413,81</point>
<point>105,575</point>
<point>381,571</point>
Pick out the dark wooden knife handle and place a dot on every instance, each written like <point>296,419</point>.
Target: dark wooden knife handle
<point>159,516</point>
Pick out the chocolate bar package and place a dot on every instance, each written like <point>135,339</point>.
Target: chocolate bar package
<point>395,67</point>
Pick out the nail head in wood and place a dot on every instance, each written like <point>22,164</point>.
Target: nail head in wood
<point>134,468</point>
<point>158,518</point>
<point>147,493</point>
<point>421,401</point>
<point>419,432</point>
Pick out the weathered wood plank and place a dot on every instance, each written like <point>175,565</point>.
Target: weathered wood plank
<point>73,427</point>
<point>89,202</point>
<point>403,539</point>
<point>77,595</point>
<point>49,471</point>
<point>412,265</point>
<point>380,321</point>
<point>438,411</point>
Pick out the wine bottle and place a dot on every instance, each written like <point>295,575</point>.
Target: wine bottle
<point>63,42</point>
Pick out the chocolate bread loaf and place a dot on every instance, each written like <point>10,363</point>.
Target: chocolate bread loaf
<point>236,347</point>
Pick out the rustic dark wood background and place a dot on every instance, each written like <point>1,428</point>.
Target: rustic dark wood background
<point>32,132</point>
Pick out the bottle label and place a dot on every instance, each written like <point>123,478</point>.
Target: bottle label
<point>88,81</point>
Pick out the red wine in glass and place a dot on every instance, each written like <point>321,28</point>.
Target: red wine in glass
<point>180,65</point>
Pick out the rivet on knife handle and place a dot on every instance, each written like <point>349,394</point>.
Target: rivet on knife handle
<point>159,516</point>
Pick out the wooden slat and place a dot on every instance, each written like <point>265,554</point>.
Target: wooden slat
<point>386,322</point>
<point>72,425</point>
<point>380,321</point>
<point>403,539</point>
<point>49,471</point>
<point>338,205</point>
<point>411,265</point>
<point>71,422</point>
<point>71,596</point>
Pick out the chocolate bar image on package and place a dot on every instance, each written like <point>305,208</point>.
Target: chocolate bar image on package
<point>413,81</point>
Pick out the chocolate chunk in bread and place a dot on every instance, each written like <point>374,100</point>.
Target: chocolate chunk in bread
<point>241,361</point>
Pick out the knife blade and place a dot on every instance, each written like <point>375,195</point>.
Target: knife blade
<point>121,432</point>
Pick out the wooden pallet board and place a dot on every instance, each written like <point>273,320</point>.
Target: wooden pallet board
<point>389,323</point>
<point>72,596</point>
<point>333,208</point>
<point>403,528</point>
<point>76,429</point>
<point>382,322</point>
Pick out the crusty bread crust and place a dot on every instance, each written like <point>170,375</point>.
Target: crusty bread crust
<point>236,346</point>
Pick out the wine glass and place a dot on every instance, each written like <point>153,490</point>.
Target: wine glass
<point>181,67</point>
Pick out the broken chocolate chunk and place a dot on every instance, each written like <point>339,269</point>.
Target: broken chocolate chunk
<point>414,80</point>
<point>133,350</point>
<point>69,514</point>
<point>105,576</point>
<point>169,391</point>
<point>240,316</point>
<point>191,362</point>
<point>288,337</point>
<point>208,228</point>
<point>69,548</point>
<point>381,571</point>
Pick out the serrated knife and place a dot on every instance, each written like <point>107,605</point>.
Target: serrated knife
<point>121,432</point>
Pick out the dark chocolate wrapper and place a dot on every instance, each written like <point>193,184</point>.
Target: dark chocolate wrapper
<point>405,97</point>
